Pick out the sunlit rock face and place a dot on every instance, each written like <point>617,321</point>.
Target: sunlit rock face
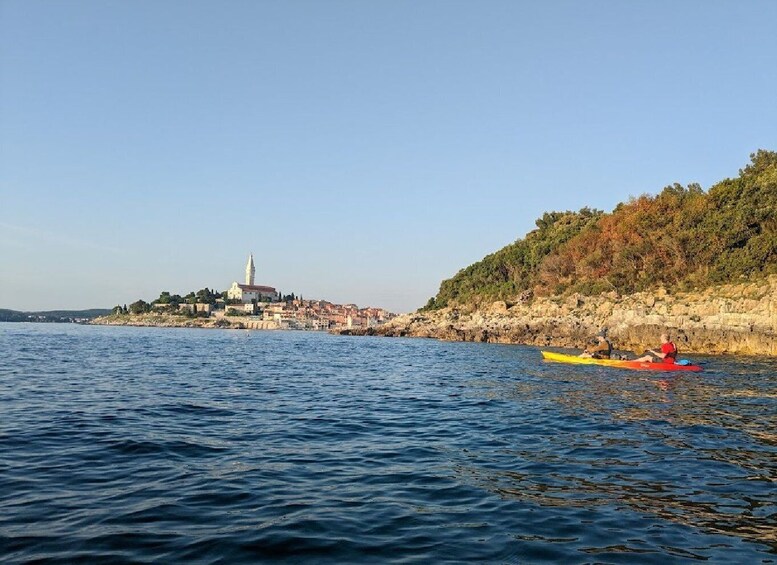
<point>736,319</point>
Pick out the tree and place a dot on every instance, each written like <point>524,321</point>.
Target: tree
<point>164,298</point>
<point>139,307</point>
<point>206,296</point>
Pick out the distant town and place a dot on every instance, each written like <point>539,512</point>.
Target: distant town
<point>251,306</point>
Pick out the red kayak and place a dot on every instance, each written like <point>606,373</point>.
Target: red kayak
<point>619,363</point>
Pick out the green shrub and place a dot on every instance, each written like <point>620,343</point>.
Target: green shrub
<point>680,238</point>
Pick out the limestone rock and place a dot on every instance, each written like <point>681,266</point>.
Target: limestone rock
<point>739,319</point>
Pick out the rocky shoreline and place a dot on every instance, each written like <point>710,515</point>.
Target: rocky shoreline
<point>171,321</point>
<point>730,319</point>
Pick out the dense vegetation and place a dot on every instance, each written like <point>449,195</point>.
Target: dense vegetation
<point>170,303</point>
<point>681,238</point>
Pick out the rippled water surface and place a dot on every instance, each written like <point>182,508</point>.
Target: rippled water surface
<point>174,445</point>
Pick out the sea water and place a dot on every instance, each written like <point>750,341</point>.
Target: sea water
<point>221,446</point>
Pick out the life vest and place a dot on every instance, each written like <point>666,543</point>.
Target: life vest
<point>669,350</point>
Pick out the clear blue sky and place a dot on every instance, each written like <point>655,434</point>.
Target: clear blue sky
<point>363,151</point>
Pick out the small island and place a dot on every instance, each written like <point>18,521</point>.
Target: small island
<point>245,306</point>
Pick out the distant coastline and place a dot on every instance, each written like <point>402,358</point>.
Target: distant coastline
<point>52,316</point>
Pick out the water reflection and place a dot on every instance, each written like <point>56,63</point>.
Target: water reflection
<point>149,445</point>
<point>697,450</point>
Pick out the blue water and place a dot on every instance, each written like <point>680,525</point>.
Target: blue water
<point>216,446</point>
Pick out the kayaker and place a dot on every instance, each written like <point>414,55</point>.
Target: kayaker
<point>602,349</point>
<point>668,353</point>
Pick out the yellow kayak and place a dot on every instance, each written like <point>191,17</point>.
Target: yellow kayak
<point>619,363</point>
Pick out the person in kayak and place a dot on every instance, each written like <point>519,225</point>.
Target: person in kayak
<point>668,353</point>
<point>602,349</point>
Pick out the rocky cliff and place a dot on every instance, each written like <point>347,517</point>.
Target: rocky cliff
<point>736,319</point>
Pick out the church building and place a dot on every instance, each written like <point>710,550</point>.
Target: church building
<point>248,292</point>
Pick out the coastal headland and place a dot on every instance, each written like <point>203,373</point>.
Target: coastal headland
<point>731,319</point>
<point>700,265</point>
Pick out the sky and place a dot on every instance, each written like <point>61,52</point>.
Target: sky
<point>362,151</point>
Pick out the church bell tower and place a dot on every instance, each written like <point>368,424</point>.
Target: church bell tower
<point>250,270</point>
